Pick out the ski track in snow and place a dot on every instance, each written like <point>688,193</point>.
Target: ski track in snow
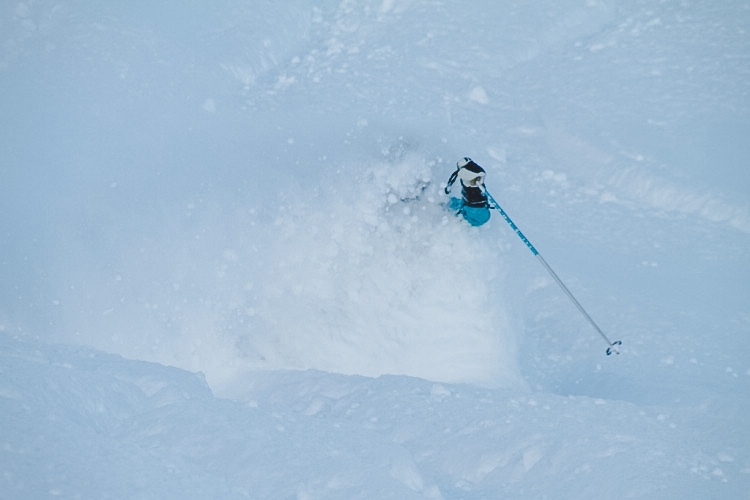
<point>244,201</point>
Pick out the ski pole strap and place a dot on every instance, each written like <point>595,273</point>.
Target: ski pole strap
<point>451,180</point>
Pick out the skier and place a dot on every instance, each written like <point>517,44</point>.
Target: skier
<point>472,205</point>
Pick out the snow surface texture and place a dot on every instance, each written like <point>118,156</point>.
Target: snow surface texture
<point>241,202</point>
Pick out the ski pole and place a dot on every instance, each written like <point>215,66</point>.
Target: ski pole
<point>611,346</point>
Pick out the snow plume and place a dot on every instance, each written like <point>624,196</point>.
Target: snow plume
<point>355,267</point>
<point>373,276</point>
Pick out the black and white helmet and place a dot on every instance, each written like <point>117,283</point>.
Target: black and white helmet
<point>463,162</point>
<point>470,173</point>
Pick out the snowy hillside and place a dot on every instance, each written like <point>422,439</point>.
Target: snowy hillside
<point>227,270</point>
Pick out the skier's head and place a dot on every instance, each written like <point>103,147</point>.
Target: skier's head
<point>470,173</point>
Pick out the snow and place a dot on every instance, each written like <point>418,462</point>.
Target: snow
<point>226,269</point>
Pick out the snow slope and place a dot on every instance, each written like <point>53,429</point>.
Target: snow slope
<point>243,205</point>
